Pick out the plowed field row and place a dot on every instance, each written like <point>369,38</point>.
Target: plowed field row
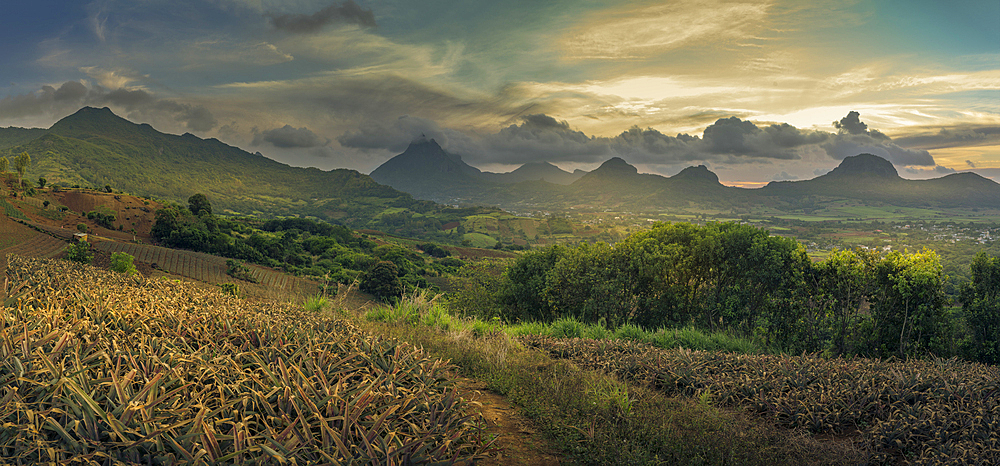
<point>41,246</point>
<point>196,265</point>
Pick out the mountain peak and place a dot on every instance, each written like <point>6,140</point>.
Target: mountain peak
<point>92,120</point>
<point>700,172</point>
<point>615,166</point>
<point>864,164</point>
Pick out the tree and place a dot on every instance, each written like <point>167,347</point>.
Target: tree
<point>981,305</point>
<point>80,252</point>
<point>907,306</point>
<point>199,204</point>
<point>121,262</point>
<point>4,164</point>
<point>382,281</point>
<point>21,164</point>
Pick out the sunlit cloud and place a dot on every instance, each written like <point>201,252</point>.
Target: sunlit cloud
<point>643,31</point>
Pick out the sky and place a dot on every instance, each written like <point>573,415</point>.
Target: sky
<point>755,90</point>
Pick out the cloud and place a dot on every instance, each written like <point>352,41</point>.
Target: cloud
<point>970,163</point>
<point>937,170</point>
<point>853,137</point>
<point>732,136</point>
<point>651,30</point>
<point>954,136</point>
<point>137,103</point>
<point>346,12</point>
<point>394,135</point>
<point>784,176</point>
<point>46,100</point>
<point>142,105</point>
<point>289,137</point>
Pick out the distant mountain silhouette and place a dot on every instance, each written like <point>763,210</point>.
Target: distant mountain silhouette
<point>874,179</point>
<point>428,172</point>
<point>863,165</point>
<point>536,171</point>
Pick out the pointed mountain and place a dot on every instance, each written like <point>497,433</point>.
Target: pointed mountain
<point>423,169</point>
<point>872,178</point>
<point>864,165</point>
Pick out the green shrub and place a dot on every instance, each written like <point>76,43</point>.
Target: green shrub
<point>315,303</point>
<point>122,263</point>
<point>630,332</point>
<point>567,328</point>
<point>80,252</point>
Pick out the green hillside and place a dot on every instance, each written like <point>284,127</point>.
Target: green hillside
<point>94,147</point>
<point>10,137</point>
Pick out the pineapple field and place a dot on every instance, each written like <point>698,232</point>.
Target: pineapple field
<point>932,411</point>
<point>197,265</point>
<point>100,368</point>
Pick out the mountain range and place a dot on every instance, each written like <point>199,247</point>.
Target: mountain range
<point>427,171</point>
<point>94,147</point>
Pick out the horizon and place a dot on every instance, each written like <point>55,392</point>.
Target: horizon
<point>757,91</point>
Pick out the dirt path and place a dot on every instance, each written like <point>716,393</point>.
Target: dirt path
<point>519,442</point>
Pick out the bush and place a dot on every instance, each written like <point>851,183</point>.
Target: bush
<point>80,252</point>
<point>382,281</point>
<point>121,262</point>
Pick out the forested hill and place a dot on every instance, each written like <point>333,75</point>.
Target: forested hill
<point>95,147</point>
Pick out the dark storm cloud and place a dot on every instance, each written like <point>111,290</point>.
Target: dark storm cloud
<point>142,105</point>
<point>735,137</point>
<point>139,104</point>
<point>347,12</point>
<point>394,135</point>
<point>851,124</point>
<point>288,137</point>
<point>853,137</point>
<point>46,100</point>
<point>970,163</point>
<point>651,146</point>
<point>732,140</point>
<point>956,136</point>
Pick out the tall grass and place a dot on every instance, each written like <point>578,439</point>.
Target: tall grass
<point>593,417</point>
<point>684,337</point>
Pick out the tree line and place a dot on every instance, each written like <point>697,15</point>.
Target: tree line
<point>303,247</point>
<point>738,278</point>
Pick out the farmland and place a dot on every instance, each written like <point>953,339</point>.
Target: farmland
<point>199,266</point>
<point>929,411</point>
<point>99,367</point>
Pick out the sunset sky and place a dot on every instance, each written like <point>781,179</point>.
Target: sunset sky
<point>752,89</point>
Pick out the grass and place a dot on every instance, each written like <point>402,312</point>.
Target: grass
<point>593,417</point>
<point>685,337</point>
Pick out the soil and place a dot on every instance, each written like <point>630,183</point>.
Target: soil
<point>518,442</point>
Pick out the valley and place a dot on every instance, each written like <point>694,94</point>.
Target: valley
<point>516,279</point>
